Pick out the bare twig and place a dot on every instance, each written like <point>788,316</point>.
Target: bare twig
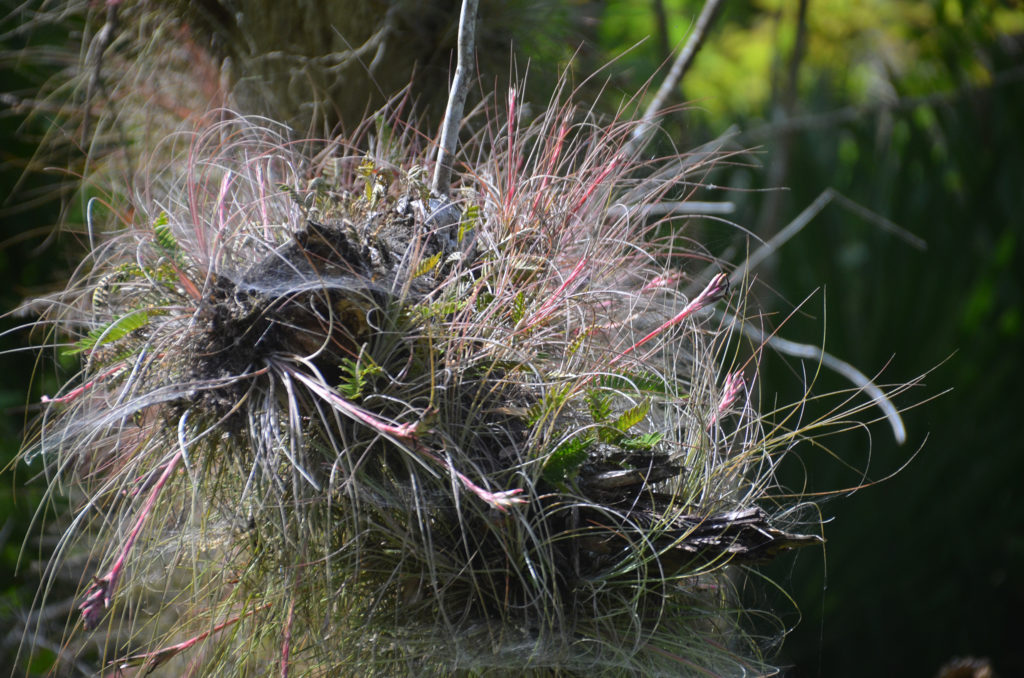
<point>641,134</point>
<point>782,237</point>
<point>820,356</point>
<point>680,207</point>
<point>777,241</point>
<point>811,211</point>
<point>809,351</point>
<point>456,99</point>
<point>858,112</point>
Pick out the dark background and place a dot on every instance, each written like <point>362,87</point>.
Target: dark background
<point>912,109</point>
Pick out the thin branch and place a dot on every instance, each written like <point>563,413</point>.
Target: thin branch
<point>777,241</point>
<point>877,219</point>
<point>804,218</point>
<point>811,352</point>
<point>641,134</point>
<point>854,113</point>
<point>662,209</point>
<point>782,237</point>
<point>456,99</point>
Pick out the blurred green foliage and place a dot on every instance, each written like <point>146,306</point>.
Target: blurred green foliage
<point>913,110</point>
<point>926,566</point>
<point>27,265</point>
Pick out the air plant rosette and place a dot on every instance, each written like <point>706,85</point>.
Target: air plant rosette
<point>334,421</point>
<point>331,422</point>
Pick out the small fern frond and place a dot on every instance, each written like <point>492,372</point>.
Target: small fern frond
<point>565,460</point>
<point>111,332</point>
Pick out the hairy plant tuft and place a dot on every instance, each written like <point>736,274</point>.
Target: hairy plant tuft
<point>330,421</point>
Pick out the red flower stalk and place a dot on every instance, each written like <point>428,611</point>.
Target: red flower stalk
<point>715,290</point>
<point>99,595</point>
<point>407,433</point>
<point>731,389</point>
<point>151,660</point>
<point>72,395</point>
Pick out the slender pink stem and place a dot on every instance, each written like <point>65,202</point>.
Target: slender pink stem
<point>715,290</point>
<point>402,431</point>
<point>512,158</point>
<point>407,434</point>
<point>286,642</point>
<point>101,592</point>
<point>545,308</point>
<point>597,182</point>
<point>556,152</point>
<point>222,205</point>
<point>498,500</point>
<point>84,387</point>
<point>661,281</point>
<point>158,657</point>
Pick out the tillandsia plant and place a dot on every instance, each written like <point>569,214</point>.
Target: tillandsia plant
<point>335,419</point>
<point>329,421</point>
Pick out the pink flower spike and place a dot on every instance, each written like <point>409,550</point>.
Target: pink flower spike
<point>407,433</point>
<point>97,599</point>
<point>151,660</point>
<point>512,156</point>
<point>99,595</point>
<point>715,290</point>
<point>615,162</point>
<point>563,130</point>
<point>498,500</point>
<point>501,500</point>
<point>732,387</point>
<point>545,308</point>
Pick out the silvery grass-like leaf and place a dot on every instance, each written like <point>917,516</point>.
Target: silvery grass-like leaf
<point>337,438</point>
